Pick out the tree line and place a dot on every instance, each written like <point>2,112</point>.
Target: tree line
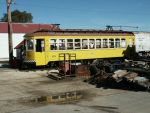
<point>18,17</point>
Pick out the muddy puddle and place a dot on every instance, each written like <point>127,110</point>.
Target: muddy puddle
<point>59,98</point>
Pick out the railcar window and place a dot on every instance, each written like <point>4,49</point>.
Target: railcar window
<point>117,43</point>
<point>69,43</point>
<point>53,44</point>
<point>111,43</point>
<point>39,44</point>
<point>91,43</point>
<point>77,44</point>
<point>98,43</point>
<point>30,44</point>
<point>84,44</point>
<point>123,43</point>
<point>62,45</point>
<point>105,43</point>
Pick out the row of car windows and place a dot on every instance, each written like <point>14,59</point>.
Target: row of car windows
<point>71,44</point>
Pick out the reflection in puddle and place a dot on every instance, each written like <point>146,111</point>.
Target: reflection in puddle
<point>56,98</point>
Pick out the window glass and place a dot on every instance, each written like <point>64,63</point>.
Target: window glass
<point>123,43</point>
<point>117,43</point>
<point>91,43</point>
<point>30,45</point>
<point>111,43</point>
<point>62,45</point>
<point>69,43</point>
<point>105,43</point>
<point>40,45</point>
<point>77,44</point>
<point>84,44</point>
<point>98,43</point>
<point>53,44</point>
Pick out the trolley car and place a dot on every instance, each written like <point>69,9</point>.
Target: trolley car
<point>45,46</point>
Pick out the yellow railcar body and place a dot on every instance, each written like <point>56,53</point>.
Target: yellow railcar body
<point>49,55</point>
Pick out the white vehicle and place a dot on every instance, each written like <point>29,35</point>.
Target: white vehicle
<point>142,43</point>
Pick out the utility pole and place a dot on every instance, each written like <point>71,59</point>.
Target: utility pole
<point>10,40</point>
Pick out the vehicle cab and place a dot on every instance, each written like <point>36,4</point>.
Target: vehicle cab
<point>35,51</point>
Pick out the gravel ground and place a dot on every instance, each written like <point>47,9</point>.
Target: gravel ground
<point>17,87</point>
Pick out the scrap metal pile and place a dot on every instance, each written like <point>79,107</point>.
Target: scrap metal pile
<point>130,75</point>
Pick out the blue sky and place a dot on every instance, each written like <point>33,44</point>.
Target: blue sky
<point>93,14</point>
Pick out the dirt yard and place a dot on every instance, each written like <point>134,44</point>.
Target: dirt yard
<point>21,92</point>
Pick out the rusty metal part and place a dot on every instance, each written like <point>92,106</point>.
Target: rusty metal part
<point>133,79</point>
<point>82,70</point>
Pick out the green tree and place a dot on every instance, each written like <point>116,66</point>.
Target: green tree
<point>18,17</point>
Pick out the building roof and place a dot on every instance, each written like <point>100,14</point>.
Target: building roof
<point>20,44</point>
<point>74,32</point>
<point>26,27</point>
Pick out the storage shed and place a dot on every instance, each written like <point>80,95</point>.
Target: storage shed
<point>19,30</point>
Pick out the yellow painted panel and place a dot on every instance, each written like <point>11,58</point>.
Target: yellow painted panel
<point>42,58</point>
<point>30,55</point>
<point>89,54</point>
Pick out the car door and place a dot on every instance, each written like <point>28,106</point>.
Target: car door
<point>40,52</point>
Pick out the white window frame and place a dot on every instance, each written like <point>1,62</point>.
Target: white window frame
<point>27,49</point>
<point>119,43</point>
<point>86,44</point>
<point>109,43</point>
<point>123,44</point>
